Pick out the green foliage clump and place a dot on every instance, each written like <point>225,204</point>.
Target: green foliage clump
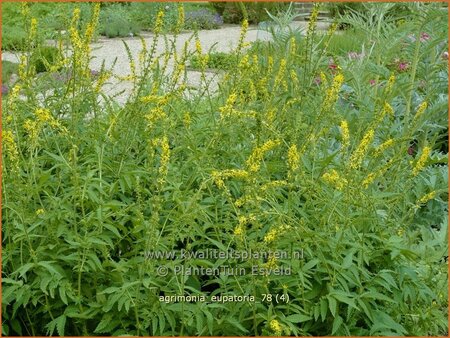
<point>44,57</point>
<point>216,60</point>
<point>301,164</point>
<point>255,12</point>
<point>116,21</point>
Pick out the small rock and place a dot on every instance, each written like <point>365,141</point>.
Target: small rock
<point>13,79</point>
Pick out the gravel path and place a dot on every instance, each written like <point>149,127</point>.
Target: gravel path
<point>109,51</point>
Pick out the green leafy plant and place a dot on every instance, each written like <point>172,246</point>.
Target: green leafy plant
<point>116,21</point>
<point>326,166</point>
<point>216,60</point>
<point>45,57</point>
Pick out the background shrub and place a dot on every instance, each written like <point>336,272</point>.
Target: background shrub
<point>116,21</point>
<point>202,19</point>
<point>234,12</point>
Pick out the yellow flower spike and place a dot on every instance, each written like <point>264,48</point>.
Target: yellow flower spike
<point>254,161</point>
<point>372,176</point>
<point>217,178</point>
<point>227,109</point>
<point>269,64</point>
<point>382,147</point>
<point>154,115</point>
<point>73,32</point>
<point>293,158</point>
<point>239,231</point>
<point>244,63</point>
<point>235,173</point>
<point>323,78</point>
<point>187,119</point>
<point>335,179</point>
<point>312,21</point>
<point>39,212</point>
<point>165,157</point>
<point>358,155</point>
<point>32,129</point>
<point>43,115</point>
<point>159,22</point>
<point>387,110</point>
<point>390,83</point>
<point>25,9</point>
<point>273,184</point>
<point>198,47</point>
<point>255,63</point>
<point>90,28</point>
<point>22,70</point>
<point>294,78</point>
<point>10,148</point>
<point>420,110</point>
<point>244,29</point>
<point>104,76</point>
<point>180,20</point>
<point>280,75</point>
<point>271,263</point>
<point>292,47</point>
<point>330,33</point>
<point>424,199</point>
<point>276,328</point>
<point>33,29</point>
<point>271,236</point>
<point>332,92</point>
<point>421,161</point>
<point>345,134</point>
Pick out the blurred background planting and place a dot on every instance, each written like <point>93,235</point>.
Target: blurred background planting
<point>327,134</point>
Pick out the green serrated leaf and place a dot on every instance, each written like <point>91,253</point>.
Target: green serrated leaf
<point>298,318</point>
